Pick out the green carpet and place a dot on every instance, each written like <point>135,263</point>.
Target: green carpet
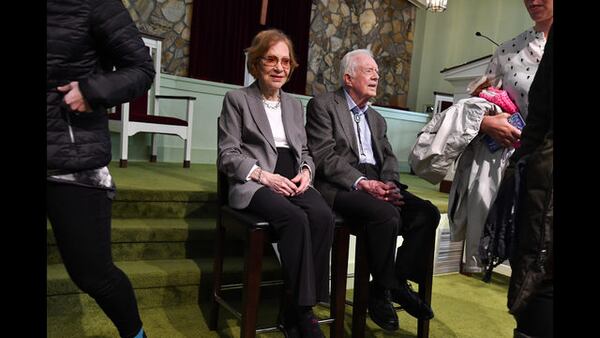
<point>162,176</point>
<point>426,190</point>
<point>465,307</point>
<point>163,221</point>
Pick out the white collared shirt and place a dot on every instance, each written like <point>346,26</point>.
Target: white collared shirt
<point>366,154</point>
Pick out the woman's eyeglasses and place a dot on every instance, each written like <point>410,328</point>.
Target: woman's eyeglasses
<point>271,61</point>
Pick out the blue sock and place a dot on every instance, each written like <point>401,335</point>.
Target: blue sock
<point>140,334</point>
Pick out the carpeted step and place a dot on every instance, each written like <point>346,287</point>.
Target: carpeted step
<point>181,321</point>
<point>149,239</point>
<point>138,203</point>
<point>149,222</point>
<point>157,283</point>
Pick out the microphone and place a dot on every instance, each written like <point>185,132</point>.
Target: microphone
<point>492,41</point>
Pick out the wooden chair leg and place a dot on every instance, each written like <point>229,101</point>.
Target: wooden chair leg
<point>361,288</point>
<point>187,143</point>
<point>217,274</point>
<point>252,278</point>
<point>124,141</point>
<point>425,289</point>
<point>339,271</point>
<point>153,147</point>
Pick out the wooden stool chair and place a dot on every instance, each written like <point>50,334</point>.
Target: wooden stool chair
<point>255,233</point>
<point>361,280</point>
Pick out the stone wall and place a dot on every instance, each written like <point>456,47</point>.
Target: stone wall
<point>337,26</point>
<point>171,20</point>
<point>386,27</point>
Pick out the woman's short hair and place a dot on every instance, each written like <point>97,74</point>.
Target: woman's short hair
<point>261,44</point>
<point>348,63</point>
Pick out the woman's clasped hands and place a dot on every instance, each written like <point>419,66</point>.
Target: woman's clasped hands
<point>284,186</point>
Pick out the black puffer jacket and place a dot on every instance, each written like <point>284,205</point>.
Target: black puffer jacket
<point>85,40</point>
<point>532,261</point>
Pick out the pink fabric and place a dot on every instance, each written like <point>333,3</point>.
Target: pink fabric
<point>499,97</point>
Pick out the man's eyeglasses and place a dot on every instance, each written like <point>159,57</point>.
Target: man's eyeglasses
<point>271,61</point>
<point>370,71</point>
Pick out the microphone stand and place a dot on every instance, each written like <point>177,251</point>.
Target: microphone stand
<point>492,41</point>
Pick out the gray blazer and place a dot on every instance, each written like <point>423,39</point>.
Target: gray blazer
<point>245,139</point>
<point>333,145</point>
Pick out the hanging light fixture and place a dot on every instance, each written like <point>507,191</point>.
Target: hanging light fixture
<point>436,5</point>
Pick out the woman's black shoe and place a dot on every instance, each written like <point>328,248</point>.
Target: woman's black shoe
<point>308,325</point>
<point>289,332</point>
<point>287,322</point>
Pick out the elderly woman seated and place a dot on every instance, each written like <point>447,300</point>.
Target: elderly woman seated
<point>262,149</point>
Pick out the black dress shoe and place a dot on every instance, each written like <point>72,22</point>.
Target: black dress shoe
<point>290,332</point>
<point>308,325</point>
<point>287,322</point>
<point>381,310</point>
<point>411,302</point>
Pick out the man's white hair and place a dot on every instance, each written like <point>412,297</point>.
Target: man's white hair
<point>348,63</point>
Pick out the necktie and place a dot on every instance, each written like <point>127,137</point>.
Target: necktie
<point>356,115</point>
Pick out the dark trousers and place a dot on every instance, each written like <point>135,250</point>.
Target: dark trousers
<point>303,226</point>
<point>416,221</point>
<point>81,220</point>
<point>537,318</point>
